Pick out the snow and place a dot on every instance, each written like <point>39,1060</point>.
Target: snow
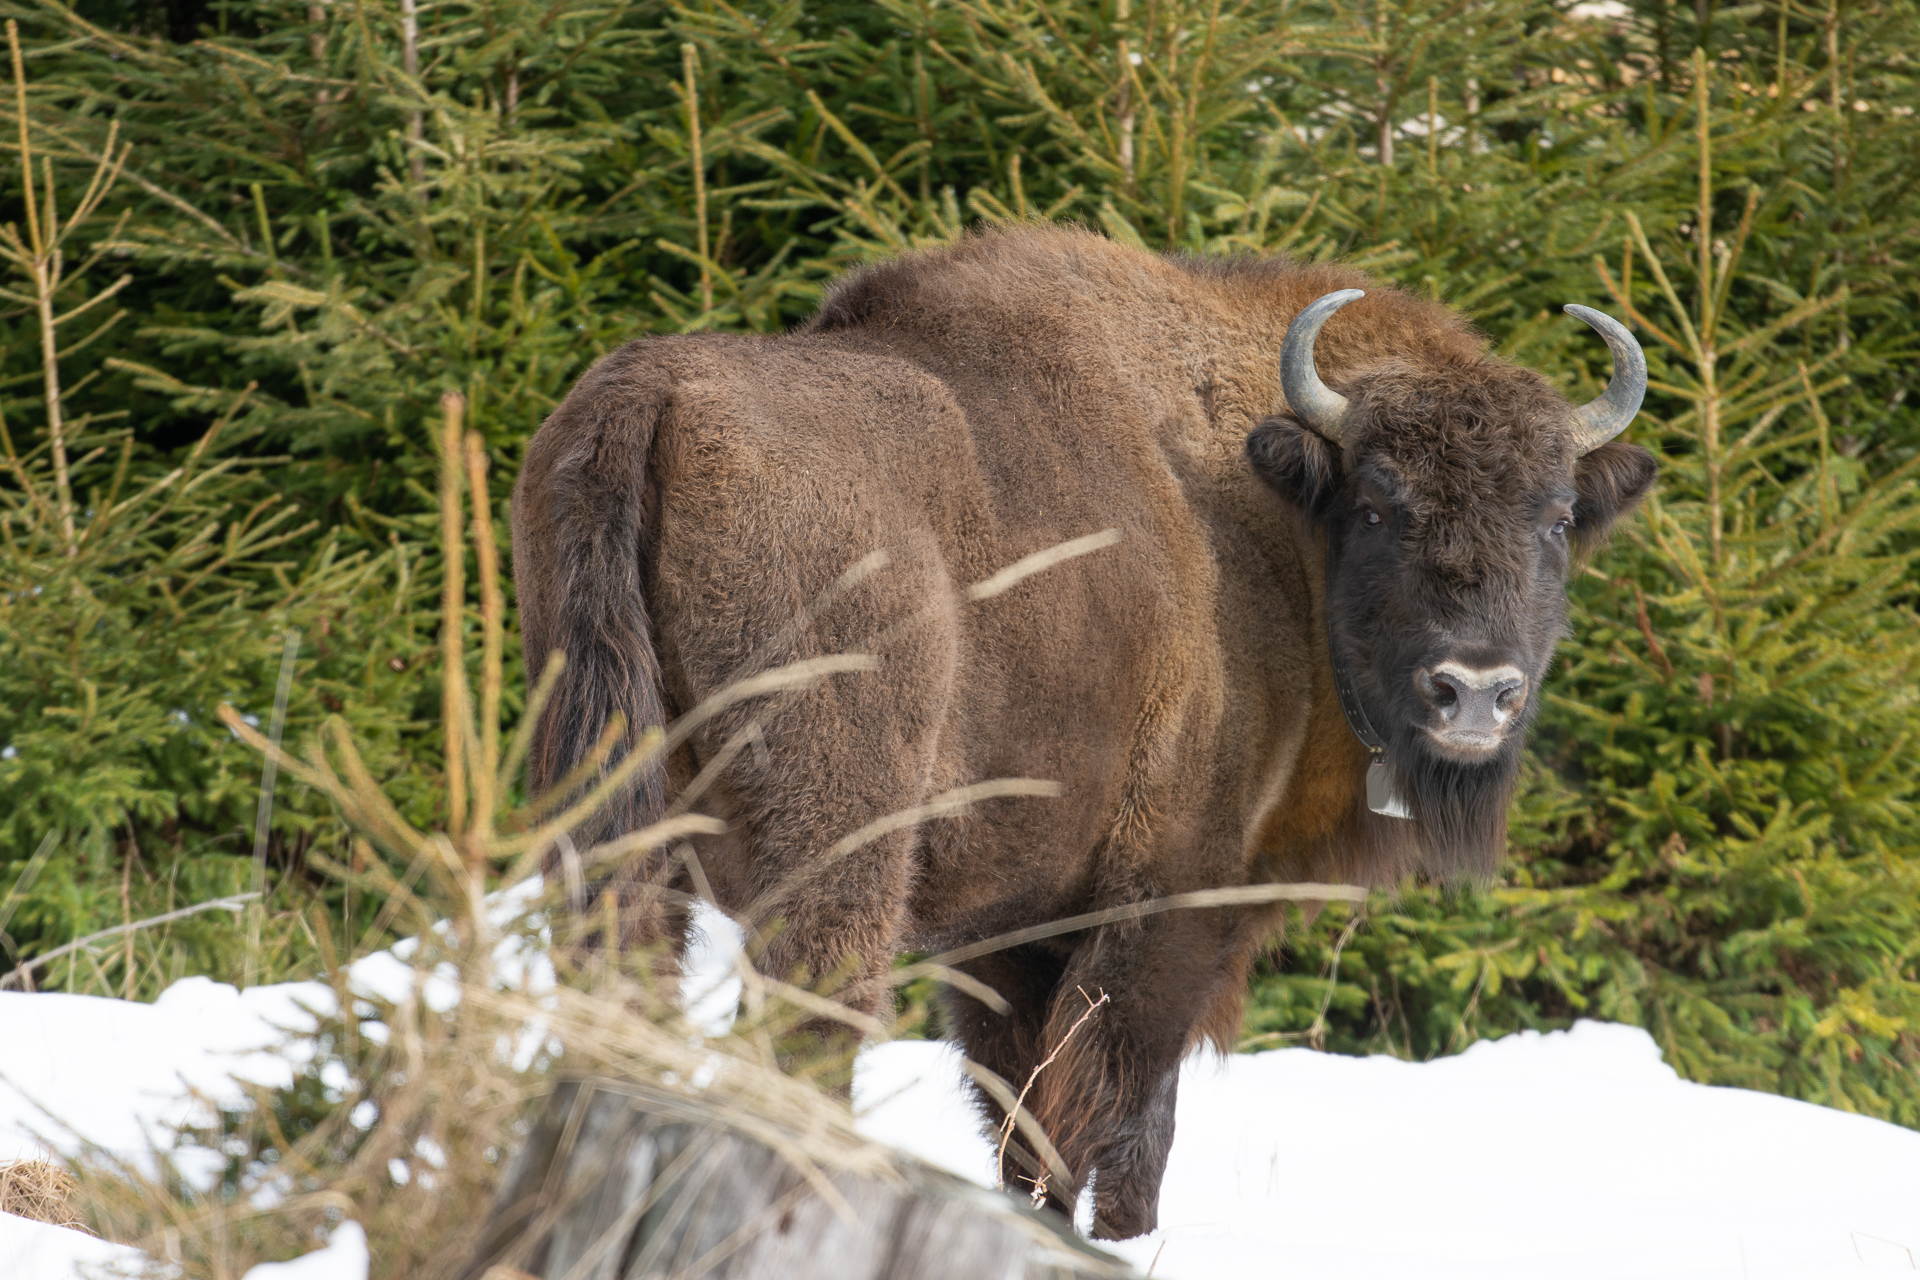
<point>36,1251</point>
<point>1573,1154</point>
<point>121,1076</point>
<point>343,1258</point>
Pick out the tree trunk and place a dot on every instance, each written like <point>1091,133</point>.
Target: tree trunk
<point>624,1181</point>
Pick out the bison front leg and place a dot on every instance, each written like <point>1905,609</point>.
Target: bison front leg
<point>1107,1100</point>
<point>1130,1168</point>
<point>1106,1092</point>
<point>1012,1043</point>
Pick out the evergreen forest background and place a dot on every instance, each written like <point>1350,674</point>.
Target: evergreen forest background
<point>250,245</point>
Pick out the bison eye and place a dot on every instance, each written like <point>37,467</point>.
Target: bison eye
<point>1559,529</point>
<point>1370,516</point>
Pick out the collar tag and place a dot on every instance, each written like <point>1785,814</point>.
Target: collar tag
<point>1381,797</point>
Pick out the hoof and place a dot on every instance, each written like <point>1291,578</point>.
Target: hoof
<point>1123,1221</point>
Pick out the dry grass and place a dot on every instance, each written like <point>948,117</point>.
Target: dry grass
<point>408,1109</point>
<point>42,1191</point>
<point>414,1143</point>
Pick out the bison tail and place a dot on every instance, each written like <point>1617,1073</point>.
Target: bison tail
<point>582,525</point>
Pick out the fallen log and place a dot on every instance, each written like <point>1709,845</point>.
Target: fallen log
<point>622,1180</point>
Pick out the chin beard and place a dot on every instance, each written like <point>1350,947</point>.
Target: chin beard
<point>1459,809</point>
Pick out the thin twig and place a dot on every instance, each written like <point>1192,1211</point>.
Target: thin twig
<point>690,65</point>
<point>126,915</point>
<point>41,261</point>
<point>455,716</point>
<point>1473,1003</point>
<point>1006,1129</point>
<point>1317,1033</point>
<point>492,623</point>
<point>263,818</point>
<point>24,881</point>
<point>410,64</point>
<point>234,903</point>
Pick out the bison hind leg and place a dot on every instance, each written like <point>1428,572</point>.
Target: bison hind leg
<point>823,898</point>
<point>642,905</point>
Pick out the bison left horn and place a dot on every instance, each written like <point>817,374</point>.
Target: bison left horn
<point>1600,420</point>
<point>1311,400</point>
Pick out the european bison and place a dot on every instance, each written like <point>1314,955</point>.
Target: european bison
<point>1338,557</point>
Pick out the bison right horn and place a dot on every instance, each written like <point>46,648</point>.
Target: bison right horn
<point>1600,420</point>
<point>1311,400</point>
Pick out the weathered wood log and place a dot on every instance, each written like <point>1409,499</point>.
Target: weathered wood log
<point>625,1181</point>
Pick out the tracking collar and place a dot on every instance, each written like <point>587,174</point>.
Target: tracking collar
<point>1381,796</point>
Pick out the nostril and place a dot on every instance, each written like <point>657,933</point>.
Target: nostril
<point>1510,695</point>
<point>1472,702</point>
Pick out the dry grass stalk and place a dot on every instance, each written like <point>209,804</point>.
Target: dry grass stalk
<point>1236,896</point>
<point>42,1191</point>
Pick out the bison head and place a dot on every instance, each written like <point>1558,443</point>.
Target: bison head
<point>1456,492</point>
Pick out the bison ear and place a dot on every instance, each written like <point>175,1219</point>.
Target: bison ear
<point>1609,483</point>
<point>1300,465</point>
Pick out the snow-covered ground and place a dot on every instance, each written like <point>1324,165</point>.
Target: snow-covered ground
<point>1571,1155</point>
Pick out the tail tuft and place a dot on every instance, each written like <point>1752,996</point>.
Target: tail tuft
<point>581,531</point>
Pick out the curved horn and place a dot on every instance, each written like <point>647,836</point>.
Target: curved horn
<point>1600,420</point>
<point>1313,401</point>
